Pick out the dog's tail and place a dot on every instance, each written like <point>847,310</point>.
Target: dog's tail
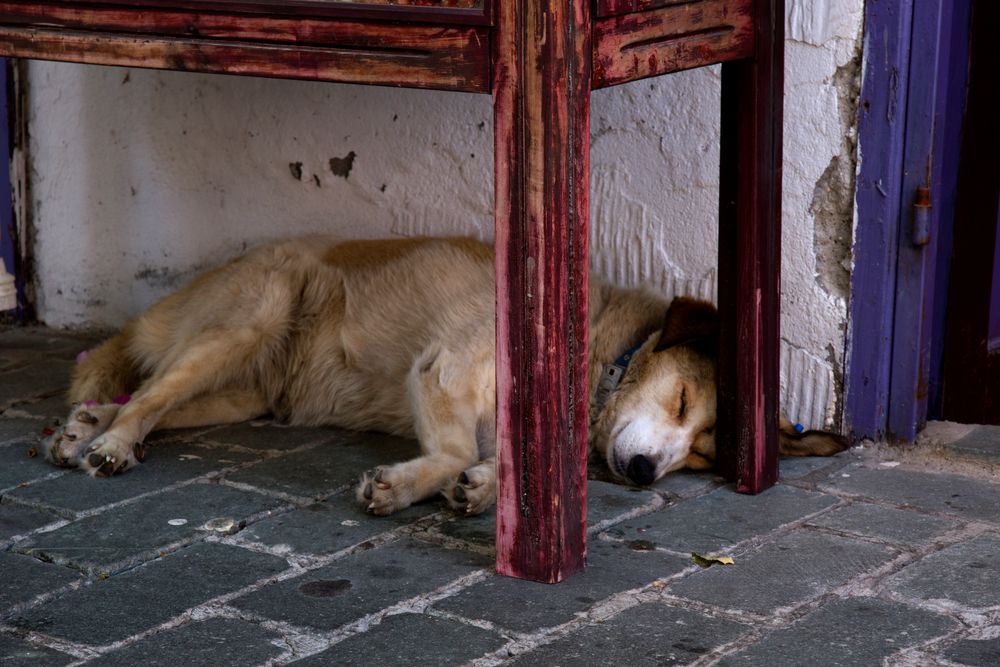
<point>105,372</point>
<point>808,443</point>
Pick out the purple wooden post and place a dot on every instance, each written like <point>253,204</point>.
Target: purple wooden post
<point>750,256</point>
<point>880,144</point>
<point>7,245</point>
<point>916,259</point>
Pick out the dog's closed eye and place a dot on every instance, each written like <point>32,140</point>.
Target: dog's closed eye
<point>683,405</point>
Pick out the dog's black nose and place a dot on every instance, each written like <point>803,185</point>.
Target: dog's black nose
<point>641,470</point>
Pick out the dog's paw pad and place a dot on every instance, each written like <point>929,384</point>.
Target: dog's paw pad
<point>109,456</point>
<point>379,492</point>
<point>473,491</point>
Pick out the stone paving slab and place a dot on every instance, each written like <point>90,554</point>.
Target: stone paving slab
<point>41,342</point>
<point>749,611</point>
<point>16,652</point>
<point>20,429</point>
<point>845,633</point>
<point>123,605</point>
<point>25,577</point>
<point>43,378</point>
<point>982,444</point>
<point>126,535</point>
<point>209,643</point>
<point>967,573</point>
<point>604,502</point>
<point>526,606</point>
<point>17,520</point>
<point>328,526</point>
<point>788,571</point>
<point>414,640</point>
<point>164,465</point>
<point>324,469</point>
<point>650,634</point>
<point>686,483</point>
<point>885,523</point>
<point>722,518</point>
<point>47,410</point>
<point>329,597</point>
<point>975,652</point>
<point>269,436</point>
<point>19,467</point>
<point>797,467</point>
<point>958,495</point>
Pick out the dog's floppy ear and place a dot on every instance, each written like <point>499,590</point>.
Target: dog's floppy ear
<point>691,323</point>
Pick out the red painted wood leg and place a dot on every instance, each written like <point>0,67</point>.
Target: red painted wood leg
<point>542,125</point>
<point>750,257</point>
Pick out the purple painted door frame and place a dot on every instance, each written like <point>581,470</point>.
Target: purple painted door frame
<point>911,105</point>
<point>7,245</point>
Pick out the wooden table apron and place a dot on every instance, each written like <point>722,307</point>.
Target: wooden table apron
<point>540,60</point>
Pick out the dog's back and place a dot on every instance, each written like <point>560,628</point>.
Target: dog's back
<point>333,322</point>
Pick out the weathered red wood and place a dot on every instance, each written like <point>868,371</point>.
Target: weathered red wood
<point>615,7</point>
<point>476,12</point>
<point>693,34</point>
<point>457,42</point>
<point>422,57</point>
<point>750,257</point>
<point>542,117</point>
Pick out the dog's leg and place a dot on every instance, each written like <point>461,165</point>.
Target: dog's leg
<point>445,401</point>
<point>223,407</point>
<point>209,361</point>
<point>65,447</point>
<point>475,490</point>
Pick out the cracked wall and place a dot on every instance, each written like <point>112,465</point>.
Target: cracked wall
<point>141,178</point>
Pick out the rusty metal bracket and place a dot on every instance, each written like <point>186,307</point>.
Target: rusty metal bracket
<point>921,232</point>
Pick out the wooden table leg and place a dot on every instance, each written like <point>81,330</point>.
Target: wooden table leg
<point>542,125</point>
<point>750,257</point>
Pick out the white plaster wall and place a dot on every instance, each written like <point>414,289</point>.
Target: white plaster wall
<point>139,179</point>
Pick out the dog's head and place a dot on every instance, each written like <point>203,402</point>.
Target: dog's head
<point>663,410</point>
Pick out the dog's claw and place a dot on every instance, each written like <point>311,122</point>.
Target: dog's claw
<point>379,482</point>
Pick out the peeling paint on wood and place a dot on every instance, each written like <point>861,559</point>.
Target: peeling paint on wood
<point>420,56</point>
<point>692,34</point>
<point>542,117</point>
<point>750,257</point>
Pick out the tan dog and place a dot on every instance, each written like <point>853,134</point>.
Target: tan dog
<point>396,336</point>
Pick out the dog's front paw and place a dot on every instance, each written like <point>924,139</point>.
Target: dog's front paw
<point>474,491</point>
<point>384,491</point>
<point>109,455</point>
<point>67,445</point>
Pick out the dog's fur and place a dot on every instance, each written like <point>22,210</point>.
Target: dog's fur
<point>396,336</point>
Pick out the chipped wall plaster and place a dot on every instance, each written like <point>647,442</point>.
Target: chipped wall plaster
<point>142,178</point>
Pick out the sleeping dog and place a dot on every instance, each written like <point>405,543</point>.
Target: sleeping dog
<point>396,336</point>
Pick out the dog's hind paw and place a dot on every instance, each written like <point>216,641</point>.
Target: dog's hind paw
<point>381,493</point>
<point>109,455</point>
<point>66,447</point>
<point>474,491</point>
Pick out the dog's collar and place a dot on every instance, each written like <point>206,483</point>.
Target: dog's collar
<point>612,375</point>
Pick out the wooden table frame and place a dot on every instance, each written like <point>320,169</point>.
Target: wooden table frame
<point>540,59</point>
